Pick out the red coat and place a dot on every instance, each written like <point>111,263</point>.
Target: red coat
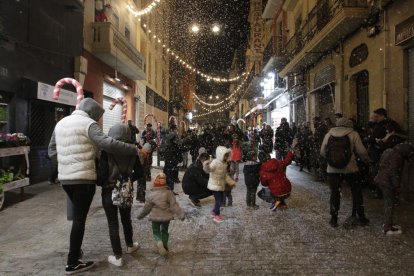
<point>236,152</point>
<point>273,175</point>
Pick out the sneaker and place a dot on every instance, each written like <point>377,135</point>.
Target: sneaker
<point>116,262</point>
<point>392,230</point>
<point>161,248</point>
<point>218,219</point>
<point>334,222</point>
<point>212,214</point>
<point>351,222</point>
<point>275,206</point>
<point>133,248</point>
<point>363,221</point>
<point>79,267</point>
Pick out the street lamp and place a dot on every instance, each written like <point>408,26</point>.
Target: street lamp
<point>215,29</point>
<point>195,28</point>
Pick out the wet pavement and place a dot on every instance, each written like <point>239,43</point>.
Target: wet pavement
<point>34,237</point>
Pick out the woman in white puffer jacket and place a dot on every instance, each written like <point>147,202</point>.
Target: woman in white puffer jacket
<point>217,168</point>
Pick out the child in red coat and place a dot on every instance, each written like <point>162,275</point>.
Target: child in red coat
<point>273,176</point>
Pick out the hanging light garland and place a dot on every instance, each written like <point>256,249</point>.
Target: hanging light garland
<point>230,102</point>
<point>187,65</point>
<point>145,11</point>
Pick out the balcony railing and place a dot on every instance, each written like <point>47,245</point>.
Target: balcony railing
<point>317,19</point>
<point>114,49</point>
<point>268,51</point>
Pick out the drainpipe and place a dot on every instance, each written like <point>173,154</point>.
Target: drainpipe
<point>385,68</point>
<point>341,78</point>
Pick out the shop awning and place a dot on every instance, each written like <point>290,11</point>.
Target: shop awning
<point>274,99</point>
<point>321,87</point>
<point>292,100</point>
<point>257,107</point>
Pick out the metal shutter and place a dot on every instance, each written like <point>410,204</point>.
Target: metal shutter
<point>111,117</point>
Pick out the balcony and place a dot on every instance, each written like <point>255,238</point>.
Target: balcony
<point>270,8</point>
<point>326,24</point>
<point>110,46</point>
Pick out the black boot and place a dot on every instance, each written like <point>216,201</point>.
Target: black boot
<point>334,221</point>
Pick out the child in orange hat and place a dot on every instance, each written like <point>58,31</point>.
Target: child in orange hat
<point>161,206</point>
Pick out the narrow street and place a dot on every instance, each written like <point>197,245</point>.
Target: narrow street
<point>34,237</point>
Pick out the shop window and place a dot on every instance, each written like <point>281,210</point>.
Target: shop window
<point>358,55</point>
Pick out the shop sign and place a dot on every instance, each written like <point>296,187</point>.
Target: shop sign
<point>45,93</point>
<point>404,31</point>
<point>257,32</point>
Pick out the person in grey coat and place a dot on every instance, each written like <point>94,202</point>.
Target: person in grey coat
<point>349,174</point>
<point>74,144</point>
<point>110,168</point>
<point>389,178</point>
<point>161,206</point>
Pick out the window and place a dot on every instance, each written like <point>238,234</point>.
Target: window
<point>127,33</point>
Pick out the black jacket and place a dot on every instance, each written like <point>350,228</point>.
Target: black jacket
<point>251,175</point>
<point>195,180</point>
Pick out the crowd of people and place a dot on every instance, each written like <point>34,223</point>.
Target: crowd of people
<point>336,152</point>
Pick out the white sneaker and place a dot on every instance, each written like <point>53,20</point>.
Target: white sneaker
<point>113,260</point>
<point>161,248</point>
<point>133,248</point>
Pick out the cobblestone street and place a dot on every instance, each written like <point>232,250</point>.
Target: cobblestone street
<point>34,238</point>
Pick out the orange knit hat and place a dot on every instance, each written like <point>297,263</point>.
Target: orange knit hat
<point>160,180</point>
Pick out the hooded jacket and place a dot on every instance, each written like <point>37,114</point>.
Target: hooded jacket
<point>75,142</point>
<point>345,127</point>
<point>273,175</point>
<point>251,174</point>
<point>113,164</point>
<point>217,168</point>
<point>391,165</point>
<point>161,204</point>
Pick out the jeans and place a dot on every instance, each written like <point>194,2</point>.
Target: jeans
<point>388,196</point>
<point>201,195</point>
<point>335,180</point>
<point>141,187</point>
<point>169,171</point>
<point>251,196</point>
<point>111,212</point>
<point>81,196</point>
<point>218,199</point>
<point>160,232</point>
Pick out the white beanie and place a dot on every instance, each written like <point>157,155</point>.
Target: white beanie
<point>147,147</point>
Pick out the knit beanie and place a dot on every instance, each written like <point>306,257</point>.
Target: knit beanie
<point>160,180</point>
<point>147,147</point>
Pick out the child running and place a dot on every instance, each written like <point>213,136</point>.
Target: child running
<point>251,179</point>
<point>273,175</point>
<point>217,168</point>
<point>110,168</point>
<point>161,206</point>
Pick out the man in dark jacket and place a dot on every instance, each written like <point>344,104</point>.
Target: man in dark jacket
<point>173,155</point>
<point>283,138</point>
<point>195,181</point>
<point>389,178</point>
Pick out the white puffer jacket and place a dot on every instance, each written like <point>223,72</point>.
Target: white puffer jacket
<point>217,168</point>
<point>76,151</point>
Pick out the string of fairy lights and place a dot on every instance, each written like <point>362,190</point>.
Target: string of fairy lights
<point>173,54</point>
<point>221,106</point>
<point>144,11</point>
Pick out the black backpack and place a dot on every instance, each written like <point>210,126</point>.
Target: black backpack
<point>338,151</point>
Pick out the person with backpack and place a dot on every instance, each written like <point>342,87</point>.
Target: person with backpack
<point>389,178</point>
<point>339,147</point>
<point>73,146</point>
<point>117,174</point>
<point>161,206</point>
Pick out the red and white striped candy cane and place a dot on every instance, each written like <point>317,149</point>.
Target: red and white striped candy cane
<point>241,120</point>
<point>124,107</point>
<point>78,86</point>
<point>172,120</point>
<point>158,127</point>
<point>184,125</point>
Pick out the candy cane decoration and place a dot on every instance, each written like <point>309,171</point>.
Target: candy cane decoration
<point>172,120</point>
<point>124,107</point>
<point>241,121</point>
<point>158,127</point>
<point>78,86</point>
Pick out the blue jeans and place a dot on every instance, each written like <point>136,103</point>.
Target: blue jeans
<point>218,198</point>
